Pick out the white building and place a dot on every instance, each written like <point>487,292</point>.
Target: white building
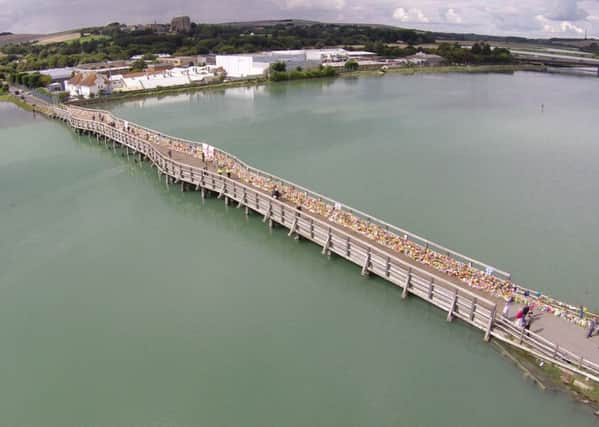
<point>237,66</point>
<point>326,55</point>
<point>336,55</point>
<point>256,64</point>
<point>165,78</point>
<point>421,58</point>
<point>59,75</point>
<point>87,85</point>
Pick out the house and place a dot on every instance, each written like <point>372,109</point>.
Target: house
<point>104,67</point>
<point>87,85</point>
<point>183,61</point>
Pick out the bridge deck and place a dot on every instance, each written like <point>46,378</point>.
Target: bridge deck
<point>553,328</point>
<point>550,334</point>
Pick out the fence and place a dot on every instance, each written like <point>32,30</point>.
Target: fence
<point>421,241</point>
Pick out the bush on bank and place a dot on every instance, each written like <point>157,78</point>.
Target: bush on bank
<point>277,76</point>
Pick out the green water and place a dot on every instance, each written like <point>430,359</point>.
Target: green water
<point>123,304</point>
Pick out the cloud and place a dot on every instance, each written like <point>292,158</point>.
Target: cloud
<point>313,4</point>
<point>567,27</point>
<point>409,15</point>
<point>500,17</point>
<point>452,16</point>
<point>512,21</point>
<point>566,10</point>
<point>563,27</point>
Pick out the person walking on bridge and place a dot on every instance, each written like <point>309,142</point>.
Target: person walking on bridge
<point>506,308</point>
<point>521,316</point>
<point>592,326</point>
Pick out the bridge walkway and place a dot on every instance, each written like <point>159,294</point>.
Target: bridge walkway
<point>550,334</point>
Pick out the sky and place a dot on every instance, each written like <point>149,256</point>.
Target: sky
<point>531,18</point>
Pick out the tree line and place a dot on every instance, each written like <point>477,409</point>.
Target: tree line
<point>202,39</point>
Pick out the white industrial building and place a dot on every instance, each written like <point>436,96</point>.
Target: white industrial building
<point>238,66</point>
<point>257,64</point>
<point>59,76</point>
<point>165,78</point>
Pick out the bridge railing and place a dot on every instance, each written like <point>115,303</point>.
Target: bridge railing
<point>434,288</point>
<point>400,232</point>
<point>422,242</point>
<point>516,335</point>
<point>458,302</point>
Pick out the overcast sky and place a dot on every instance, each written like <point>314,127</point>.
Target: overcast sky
<point>545,18</point>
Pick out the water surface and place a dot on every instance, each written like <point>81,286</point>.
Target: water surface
<point>124,304</point>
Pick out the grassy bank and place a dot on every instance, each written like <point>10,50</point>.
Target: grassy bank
<point>450,69</point>
<point>17,101</point>
<point>549,376</point>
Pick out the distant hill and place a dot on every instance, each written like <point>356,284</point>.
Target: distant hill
<point>17,38</point>
<point>468,38</point>
<point>270,23</point>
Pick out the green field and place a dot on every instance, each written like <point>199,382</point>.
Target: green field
<point>89,39</point>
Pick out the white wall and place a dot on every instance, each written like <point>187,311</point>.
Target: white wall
<point>240,65</point>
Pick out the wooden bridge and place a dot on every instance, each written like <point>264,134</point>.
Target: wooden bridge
<point>558,341</point>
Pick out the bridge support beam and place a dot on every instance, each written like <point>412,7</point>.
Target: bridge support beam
<point>406,285</point>
<point>292,229</point>
<point>452,306</point>
<point>366,264</point>
<point>472,309</point>
<point>327,244</point>
<point>490,324</point>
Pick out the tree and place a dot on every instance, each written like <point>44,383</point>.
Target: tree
<point>351,65</point>
<point>279,66</point>
<point>139,65</point>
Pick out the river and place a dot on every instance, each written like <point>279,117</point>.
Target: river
<point>124,304</point>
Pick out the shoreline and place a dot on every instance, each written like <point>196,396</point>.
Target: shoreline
<point>16,101</point>
<point>169,91</point>
<point>549,377</point>
<point>474,69</point>
<point>341,74</point>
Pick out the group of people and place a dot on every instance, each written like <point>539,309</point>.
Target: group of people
<point>524,316</point>
<point>475,278</point>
